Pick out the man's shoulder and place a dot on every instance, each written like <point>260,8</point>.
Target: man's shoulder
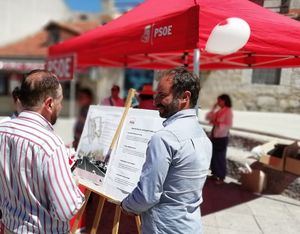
<point>185,128</point>
<point>165,134</point>
<point>38,133</point>
<point>121,100</point>
<point>5,119</point>
<point>49,142</point>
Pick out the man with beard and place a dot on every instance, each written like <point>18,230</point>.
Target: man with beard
<point>169,191</point>
<point>38,194</point>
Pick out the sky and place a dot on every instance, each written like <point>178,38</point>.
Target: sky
<point>95,5</point>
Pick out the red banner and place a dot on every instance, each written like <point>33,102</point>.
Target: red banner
<point>62,66</point>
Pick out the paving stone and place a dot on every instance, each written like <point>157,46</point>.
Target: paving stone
<point>210,230</point>
<point>229,231</point>
<point>237,222</point>
<point>209,220</point>
<point>278,225</point>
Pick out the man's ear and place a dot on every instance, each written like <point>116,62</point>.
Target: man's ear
<point>186,97</point>
<point>48,103</point>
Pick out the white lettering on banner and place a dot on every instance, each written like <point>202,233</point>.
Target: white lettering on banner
<point>163,31</point>
<point>151,32</point>
<point>60,67</point>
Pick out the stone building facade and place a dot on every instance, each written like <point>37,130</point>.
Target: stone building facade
<point>248,95</point>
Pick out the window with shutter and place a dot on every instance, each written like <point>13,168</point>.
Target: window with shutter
<point>266,76</point>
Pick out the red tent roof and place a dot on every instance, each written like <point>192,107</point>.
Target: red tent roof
<point>163,34</point>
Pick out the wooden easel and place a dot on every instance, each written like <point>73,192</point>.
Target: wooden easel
<point>102,197</point>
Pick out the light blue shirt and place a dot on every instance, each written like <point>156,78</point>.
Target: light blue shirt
<point>169,191</point>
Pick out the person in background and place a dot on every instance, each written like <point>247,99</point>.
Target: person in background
<point>169,192</point>
<point>85,98</point>
<point>17,104</point>
<point>38,193</point>
<point>113,99</point>
<point>220,117</point>
<point>18,107</point>
<point>146,98</point>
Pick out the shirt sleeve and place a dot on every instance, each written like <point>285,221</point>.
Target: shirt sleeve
<point>210,116</point>
<point>64,196</point>
<point>154,172</point>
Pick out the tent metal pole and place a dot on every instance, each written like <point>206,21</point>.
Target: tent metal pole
<point>196,70</point>
<point>196,61</point>
<point>72,96</point>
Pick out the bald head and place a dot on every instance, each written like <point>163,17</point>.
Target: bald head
<point>36,87</point>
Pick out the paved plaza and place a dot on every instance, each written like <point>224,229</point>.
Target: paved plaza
<point>227,208</point>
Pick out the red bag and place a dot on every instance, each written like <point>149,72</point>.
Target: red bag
<point>1,228</point>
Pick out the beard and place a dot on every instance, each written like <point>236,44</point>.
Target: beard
<point>53,117</point>
<point>165,111</point>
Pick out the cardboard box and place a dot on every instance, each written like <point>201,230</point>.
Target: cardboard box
<point>255,181</point>
<point>269,160</point>
<point>292,164</point>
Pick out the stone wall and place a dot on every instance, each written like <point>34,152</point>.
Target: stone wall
<point>253,97</point>
<point>295,4</point>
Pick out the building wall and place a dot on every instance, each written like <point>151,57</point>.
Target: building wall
<point>253,97</point>
<point>275,5</point>
<point>295,4</point>
<point>20,18</point>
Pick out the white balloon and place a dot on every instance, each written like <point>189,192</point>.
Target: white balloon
<point>228,36</point>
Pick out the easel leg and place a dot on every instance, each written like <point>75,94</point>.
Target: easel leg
<point>98,215</point>
<point>138,223</point>
<point>116,220</point>
<point>80,212</point>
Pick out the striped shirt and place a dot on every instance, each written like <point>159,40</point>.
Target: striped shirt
<point>38,194</point>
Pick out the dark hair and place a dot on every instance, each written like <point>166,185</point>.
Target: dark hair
<point>87,92</point>
<point>115,87</point>
<point>226,99</point>
<point>184,80</point>
<point>36,86</point>
<point>145,97</point>
<point>16,93</point>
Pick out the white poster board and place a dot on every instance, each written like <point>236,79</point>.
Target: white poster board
<point>117,175</point>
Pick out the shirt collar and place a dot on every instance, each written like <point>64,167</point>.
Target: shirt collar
<point>37,118</point>
<point>180,114</point>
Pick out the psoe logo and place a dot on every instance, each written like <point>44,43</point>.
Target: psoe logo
<point>147,34</point>
<point>162,31</point>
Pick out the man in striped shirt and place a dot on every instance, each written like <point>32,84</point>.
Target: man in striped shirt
<point>38,193</point>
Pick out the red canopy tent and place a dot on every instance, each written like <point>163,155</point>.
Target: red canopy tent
<point>163,34</point>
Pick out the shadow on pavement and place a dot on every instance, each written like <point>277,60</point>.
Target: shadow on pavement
<point>223,196</point>
<point>216,198</point>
